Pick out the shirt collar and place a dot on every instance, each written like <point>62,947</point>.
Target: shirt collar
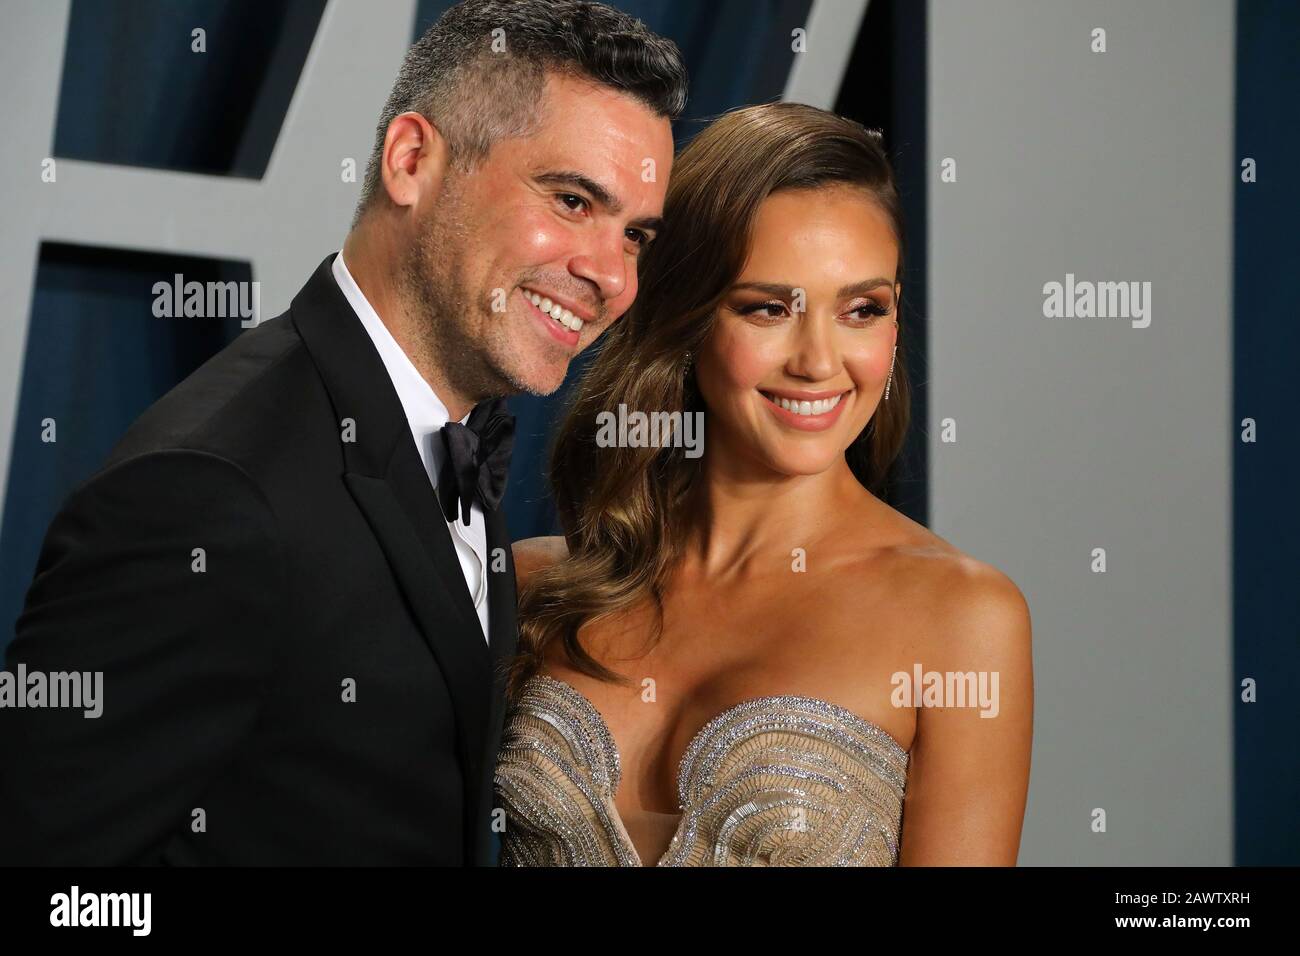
<point>425,411</point>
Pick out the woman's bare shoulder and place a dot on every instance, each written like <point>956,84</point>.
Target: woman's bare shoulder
<point>537,554</point>
<point>967,602</point>
<point>941,591</point>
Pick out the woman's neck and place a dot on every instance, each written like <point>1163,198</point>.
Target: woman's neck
<point>749,519</point>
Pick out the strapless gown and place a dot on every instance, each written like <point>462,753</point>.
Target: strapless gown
<point>773,781</point>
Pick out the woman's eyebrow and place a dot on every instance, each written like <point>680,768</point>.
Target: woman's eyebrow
<point>777,288</point>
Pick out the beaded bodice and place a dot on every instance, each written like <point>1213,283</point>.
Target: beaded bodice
<point>773,781</point>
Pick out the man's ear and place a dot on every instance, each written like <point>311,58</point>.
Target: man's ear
<point>415,159</point>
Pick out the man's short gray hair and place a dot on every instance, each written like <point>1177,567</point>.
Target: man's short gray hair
<point>478,73</point>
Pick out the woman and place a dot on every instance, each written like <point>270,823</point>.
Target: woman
<point>718,658</point>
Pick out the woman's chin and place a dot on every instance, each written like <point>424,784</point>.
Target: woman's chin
<point>805,462</point>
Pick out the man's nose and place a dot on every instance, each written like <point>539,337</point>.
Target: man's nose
<point>604,263</point>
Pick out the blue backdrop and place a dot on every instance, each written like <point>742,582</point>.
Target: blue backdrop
<point>1266,474</point>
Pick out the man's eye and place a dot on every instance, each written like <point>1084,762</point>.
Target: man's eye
<point>565,197</point>
<point>639,237</point>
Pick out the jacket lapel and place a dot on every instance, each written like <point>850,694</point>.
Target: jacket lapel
<point>502,626</point>
<point>504,634</point>
<point>383,472</point>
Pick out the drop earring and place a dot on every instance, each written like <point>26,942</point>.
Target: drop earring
<point>890,381</point>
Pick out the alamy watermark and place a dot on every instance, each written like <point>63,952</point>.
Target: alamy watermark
<point>208,300</point>
<point>78,690</point>
<point>651,430</point>
<point>1102,300</point>
<point>922,688</point>
<point>128,910</point>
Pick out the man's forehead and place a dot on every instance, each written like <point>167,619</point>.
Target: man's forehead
<point>565,84</point>
<point>572,100</point>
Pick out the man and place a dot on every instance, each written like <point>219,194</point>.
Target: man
<point>292,572</point>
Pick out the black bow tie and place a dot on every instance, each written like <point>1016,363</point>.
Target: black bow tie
<point>477,460</point>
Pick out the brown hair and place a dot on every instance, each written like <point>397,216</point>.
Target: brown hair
<point>623,510</point>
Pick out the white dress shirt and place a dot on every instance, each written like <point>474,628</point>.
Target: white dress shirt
<point>426,414</point>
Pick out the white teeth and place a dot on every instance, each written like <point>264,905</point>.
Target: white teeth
<point>556,311</point>
<point>819,407</point>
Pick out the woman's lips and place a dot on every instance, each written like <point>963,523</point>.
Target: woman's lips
<point>807,414</point>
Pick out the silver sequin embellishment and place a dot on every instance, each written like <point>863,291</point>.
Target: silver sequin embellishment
<point>782,780</point>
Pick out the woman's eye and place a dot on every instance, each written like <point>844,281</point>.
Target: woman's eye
<point>872,311</point>
<point>763,309</point>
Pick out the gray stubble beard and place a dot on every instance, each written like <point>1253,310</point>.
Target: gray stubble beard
<point>434,298</point>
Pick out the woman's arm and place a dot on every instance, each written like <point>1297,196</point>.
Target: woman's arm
<point>534,554</point>
<point>969,774</point>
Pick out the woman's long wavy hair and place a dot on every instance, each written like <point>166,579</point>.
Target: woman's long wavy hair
<point>623,511</point>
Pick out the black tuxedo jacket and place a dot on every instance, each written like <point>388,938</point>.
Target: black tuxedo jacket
<point>227,735</point>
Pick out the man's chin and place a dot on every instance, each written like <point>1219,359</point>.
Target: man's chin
<point>539,382</point>
<point>548,387</point>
